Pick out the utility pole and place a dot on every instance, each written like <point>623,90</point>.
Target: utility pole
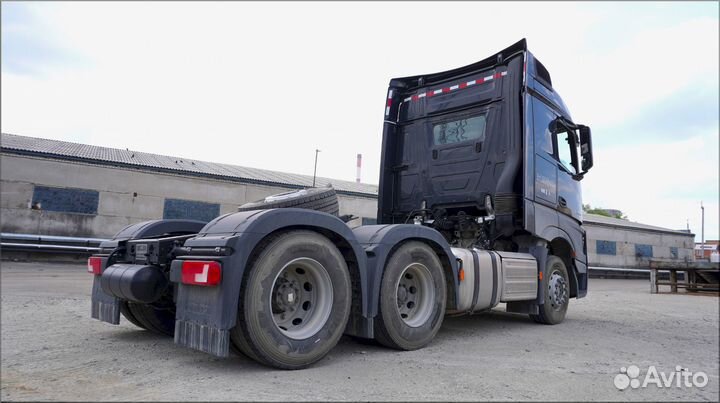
<point>702,232</point>
<point>315,170</point>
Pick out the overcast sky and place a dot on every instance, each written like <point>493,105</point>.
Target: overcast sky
<point>265,84</point>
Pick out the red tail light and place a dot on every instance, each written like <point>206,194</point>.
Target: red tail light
<point>197,272</point>
<point>94,265</point>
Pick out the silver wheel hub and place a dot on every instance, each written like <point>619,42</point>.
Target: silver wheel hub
<point>557,290</point>
<point>415,295</point>
<point>301,298</point>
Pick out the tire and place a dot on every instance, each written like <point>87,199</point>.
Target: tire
<point>125,311</point>
<point>320,199</point>
<point>157,320</point>
<point>412,298</point>
<point>294,302</point>
<point>557,292</point>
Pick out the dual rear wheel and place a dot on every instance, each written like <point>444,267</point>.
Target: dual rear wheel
<point>301,300</point>
<point>412,298</point>
<point>299,303</point>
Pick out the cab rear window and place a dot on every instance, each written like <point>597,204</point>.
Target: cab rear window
<point>456,131</point>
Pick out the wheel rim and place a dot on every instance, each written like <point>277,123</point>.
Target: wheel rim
<point>415,295</point>
<point>557,290</point>
<point>301,298</point>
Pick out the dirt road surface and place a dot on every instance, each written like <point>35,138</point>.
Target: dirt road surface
<point>52,350</point>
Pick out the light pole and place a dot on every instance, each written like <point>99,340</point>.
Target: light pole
<point>315,170</point>
<point>702,232</point>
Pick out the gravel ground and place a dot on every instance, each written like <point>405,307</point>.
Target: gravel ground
<point>52,350</point>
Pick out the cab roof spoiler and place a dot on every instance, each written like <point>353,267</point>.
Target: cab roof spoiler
<point>500,58</point>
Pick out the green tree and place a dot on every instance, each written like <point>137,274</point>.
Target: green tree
<point>604,212</point>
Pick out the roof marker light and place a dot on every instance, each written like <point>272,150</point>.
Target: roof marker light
<point>454,87</point>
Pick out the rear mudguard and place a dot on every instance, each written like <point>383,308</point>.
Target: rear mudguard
<point>205,315</point>
<point>379,241</point>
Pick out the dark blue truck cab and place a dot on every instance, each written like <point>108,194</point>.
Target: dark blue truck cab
<point>479,204</point>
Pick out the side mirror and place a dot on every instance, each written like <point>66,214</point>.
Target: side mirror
<point>586,148</point>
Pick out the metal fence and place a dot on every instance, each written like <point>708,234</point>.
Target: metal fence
<point>49,243</point>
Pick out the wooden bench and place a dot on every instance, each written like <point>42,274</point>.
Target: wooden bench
<point>699,276</point>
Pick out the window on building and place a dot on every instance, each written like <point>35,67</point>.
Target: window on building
<point>456,131</point>
<point>64,200</point>
<point>643,250</point>
<point>191,210</point>
<point>606,247</point>
<point>673,252</point>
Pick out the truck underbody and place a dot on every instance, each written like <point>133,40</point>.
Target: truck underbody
<point>477,206</point>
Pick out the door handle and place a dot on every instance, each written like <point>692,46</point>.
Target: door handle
<point>562,201</point>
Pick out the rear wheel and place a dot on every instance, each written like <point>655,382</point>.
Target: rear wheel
<point>125,311</point>
<point>557,292</point>
<point>155,319</point>
<point>412,298</point>
<point>295,301</point>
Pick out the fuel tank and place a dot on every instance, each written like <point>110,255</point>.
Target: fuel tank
<point>492,277</point>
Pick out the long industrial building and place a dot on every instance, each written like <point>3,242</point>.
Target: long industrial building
<point>52,187</point>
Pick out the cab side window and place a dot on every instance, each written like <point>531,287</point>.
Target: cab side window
<point>564,150</point>
<point>542,127</point>
<point>551,137</point>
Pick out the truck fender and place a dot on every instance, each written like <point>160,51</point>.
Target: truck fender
<point>379,241</point>
<point>205,315</point>
<point>579,270</point>
<point>153,228</point>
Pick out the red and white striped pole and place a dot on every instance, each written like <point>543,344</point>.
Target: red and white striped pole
<point>359,166</point>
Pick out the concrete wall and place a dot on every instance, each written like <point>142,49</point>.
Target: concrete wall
<point>662,246</point>
<point>125,196</point>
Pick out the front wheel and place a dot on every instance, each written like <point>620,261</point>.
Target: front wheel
<point>557,292</point>
<point>412,298</point>
<point>295,301</point>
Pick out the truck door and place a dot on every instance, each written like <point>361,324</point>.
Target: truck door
<point>555,186</point>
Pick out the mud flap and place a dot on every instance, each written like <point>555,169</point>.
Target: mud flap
<point>208,339</point>
<point>104,307</point>
<point>202,321</point>
<point>581,278</point>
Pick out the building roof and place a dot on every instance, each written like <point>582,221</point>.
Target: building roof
<point>627,224</point>
<point>35,146</point>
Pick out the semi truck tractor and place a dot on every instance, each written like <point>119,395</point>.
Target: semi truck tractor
<point>479,204</point>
